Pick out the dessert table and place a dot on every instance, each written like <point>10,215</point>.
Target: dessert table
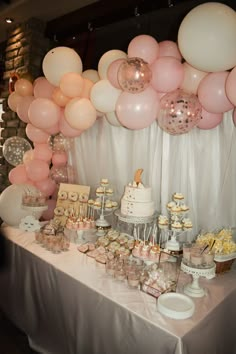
<point>67,304</point>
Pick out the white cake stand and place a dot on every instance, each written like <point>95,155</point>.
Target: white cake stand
<point>194,289</point>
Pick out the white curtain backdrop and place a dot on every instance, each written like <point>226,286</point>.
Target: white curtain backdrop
<point>200,164</point>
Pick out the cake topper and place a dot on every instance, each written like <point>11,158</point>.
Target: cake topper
<point>137,176</point>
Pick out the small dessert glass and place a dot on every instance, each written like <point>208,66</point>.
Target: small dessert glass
<point>208,257</point>
<point>196,257</point>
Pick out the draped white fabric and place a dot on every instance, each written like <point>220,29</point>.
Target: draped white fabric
<point>200,164</point>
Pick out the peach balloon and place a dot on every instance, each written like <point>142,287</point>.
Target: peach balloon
<point>106,59</point>
<point>145,47</point>
<point>71,84</point>
<point>37,170</point>
<point>167,74</point>
<point>212,94</point>
<point>59,158</point>
<point>104,96</point>
<point>192,78</point>
<point>80,113</point>
<point>14,100</point>
<point>112,72</point>
<point>169,49</point>
<point>24,87</point>
<point>230,86</point>
<point>18,175</point>
<point>91,74</point>
<point>46,186</point>
<point>209,120</point>
<point>54,129</point>
<point>43,113</point>
<point>59,98</point>
<point>35,134</point>
<point>28,156</point>
<point>87,87</point>
<point>59,61</point>
<point>23,108</point>
<point>42,152</point>
<point>67,130</point>
<point>43,88</point>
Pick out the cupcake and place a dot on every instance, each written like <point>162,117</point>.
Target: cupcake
<point>176,225</point>
<point>170,205</point>
<point>104,182</point>
<point>154,253</point>
<point>178,197</point>
<point>162,222</point>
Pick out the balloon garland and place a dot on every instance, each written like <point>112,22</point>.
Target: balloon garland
<point>179,85</point>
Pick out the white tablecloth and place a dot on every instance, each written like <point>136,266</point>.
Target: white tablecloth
<point>66,304</point>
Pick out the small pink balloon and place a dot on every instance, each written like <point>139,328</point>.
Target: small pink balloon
<point>46,186</point>
<point>43,88</point>
<point>71,84</point>
<point>112,72</point>
<point>37,170</point>
<point>14,100</point>
<point>137,111</point>
<point>53,130</point>
<point>134,75</point>
<point>44,113</point>
<point>209,120</point>
<point>23,87</point>
<point>87,87</point>
<point>42,152</point>
<point>145,47</point>
<point>192,78</point>
<point>35,134</point>
<point>23,108</point>
<point>49,213</point>
<point>67,130</point>
<point>18,175</point>
<point>59,98</point>
<point>169,49</point>
<point>212,94</point>
<point>59,158</point>
<point>179,112</point>
<point>167,74</point>
<point>28,156</point>
<point>230,86</point>
<point>80,113</point>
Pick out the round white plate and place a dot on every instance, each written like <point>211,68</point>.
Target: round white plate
<point>174,305</point>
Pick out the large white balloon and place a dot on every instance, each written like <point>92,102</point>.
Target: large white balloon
<point>206,37</point>
<point>11,211</point>
<point>59,61</point>
<point>107,58</point>
<point>104,96</point>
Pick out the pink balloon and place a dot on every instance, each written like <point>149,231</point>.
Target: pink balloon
<point>80,113</point>
<point>134,75</point>
<point>167,74</point>
<point>59,98</point>
<point>37,170</point>
<point>230,86</point>
<point>35,134</point>
<point>53,130</point>
<point>137,111</point>
<point>88,84</point>
<point>14,100</point>
<point>67,130</point>
<point>192,78</point>
<point>71,84</point>
<point>59,159</point>
<point>28,156</point>
<point>44,113</point>
<point>43,88</point>
<point>212,94</point>
<point>23,87</point>
<point>112,72</point>
<point>43,152</point>
<point>23,108</point>
<point>145,47</point>
<point>179,112</point>
<point>46,186</point>
<point>209,120</point>
<point>59,174</point>
<point>169,49</point>
<point>18,175</point>
<point>49,213</point>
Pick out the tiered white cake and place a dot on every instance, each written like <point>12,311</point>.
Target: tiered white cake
<point>137,199</point>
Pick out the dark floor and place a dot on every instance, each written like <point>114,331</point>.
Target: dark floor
<point>12,340</point>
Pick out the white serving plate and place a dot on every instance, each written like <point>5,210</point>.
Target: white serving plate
<point>175,305</point>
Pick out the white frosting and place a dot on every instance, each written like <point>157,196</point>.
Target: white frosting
<point>137,201</point>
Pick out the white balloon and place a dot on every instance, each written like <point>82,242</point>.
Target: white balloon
<point>104,96</point>
<point>11,211</point>
<point>91,75</point>
<point>206,37</point>
<point>111,117</point>
<point>107,58</point>
<point>59,61</point>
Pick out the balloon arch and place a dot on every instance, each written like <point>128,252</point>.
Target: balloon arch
<point>179,86</point>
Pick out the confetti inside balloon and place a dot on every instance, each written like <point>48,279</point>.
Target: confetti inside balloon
<point>134,75</point>
<point>14,149</point>
<point>179,112</point>
<point>58,142</point>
